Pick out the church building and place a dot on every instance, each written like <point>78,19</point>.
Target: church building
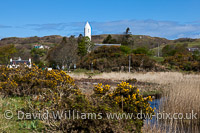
<point>88,33</point>
<point>87,30</point>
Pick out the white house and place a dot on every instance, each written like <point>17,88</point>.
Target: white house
<point>41,46</point>
<point>17,63</point>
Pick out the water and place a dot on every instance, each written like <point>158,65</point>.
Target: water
<point>155,104</point>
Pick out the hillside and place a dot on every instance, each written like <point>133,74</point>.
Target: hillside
<point>47,40</point>
<point>24,46</point>
<point>137,40</point>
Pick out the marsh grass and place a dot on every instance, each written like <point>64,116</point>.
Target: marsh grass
<point>182,93</point>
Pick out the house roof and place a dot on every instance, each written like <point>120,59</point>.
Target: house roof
<point>20,62</point>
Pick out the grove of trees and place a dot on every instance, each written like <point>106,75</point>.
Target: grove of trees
<point>64,54</point>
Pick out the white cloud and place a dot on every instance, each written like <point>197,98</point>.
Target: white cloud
<point>167,29</point>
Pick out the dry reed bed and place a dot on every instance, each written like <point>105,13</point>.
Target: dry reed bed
<point>156,77</point>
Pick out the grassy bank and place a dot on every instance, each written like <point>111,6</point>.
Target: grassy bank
<point>14,104</point>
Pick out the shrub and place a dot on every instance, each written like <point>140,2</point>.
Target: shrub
<point>131,81</point>
<point>168,50</point>
<point>171,50</point>
<point>55,91</point>
<point>26,81</point>
<point>107,58</point>
<point>125,49</point>
<point>109,40</point>
<point>185,62</point>
<point>127,98</point>
<point>101,89</point>
<point>141,50</point>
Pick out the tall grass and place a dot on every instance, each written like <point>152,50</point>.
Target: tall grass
<point>181,91</point>
<point>183,96</point>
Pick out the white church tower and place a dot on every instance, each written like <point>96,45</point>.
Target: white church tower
<point>87,30</point>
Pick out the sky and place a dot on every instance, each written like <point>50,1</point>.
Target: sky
<point>169,19</point>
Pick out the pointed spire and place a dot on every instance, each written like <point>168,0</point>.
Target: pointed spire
<point>87,30</point>
<point>87,25</point>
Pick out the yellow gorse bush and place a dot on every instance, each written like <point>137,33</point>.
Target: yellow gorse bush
<point>127,97</point>
<point>101,89</point>
<point>30,81</point>
<point>56,91</point>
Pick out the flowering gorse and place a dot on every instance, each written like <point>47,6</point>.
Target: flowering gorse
<point>129,98</point>
<point>30,81</point>
<point>101,89</point>
<point>56,91</point>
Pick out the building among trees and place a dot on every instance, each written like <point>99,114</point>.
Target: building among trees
<point>17,63</point>
<point>88,33</point>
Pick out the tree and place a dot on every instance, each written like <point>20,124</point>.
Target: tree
<point>82,51</point>
<point>6,52</point>
<point>36,54</point>
<point>84,46</point>
<point>109,40</point>
<point>36,58</point>
<point>196,55</point>
<point>168,50</point>
<point>65,53</point>
<point>127,31</point>
<point>89,45</point>
<point>80,37</point>
<point>125,39</point>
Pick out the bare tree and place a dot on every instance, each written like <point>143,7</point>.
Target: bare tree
<point>65,53</point>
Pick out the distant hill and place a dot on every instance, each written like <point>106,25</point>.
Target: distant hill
<point>138,40</point>
<point>191,42</point>
<point>54,39</point>
<point>24,46</point>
